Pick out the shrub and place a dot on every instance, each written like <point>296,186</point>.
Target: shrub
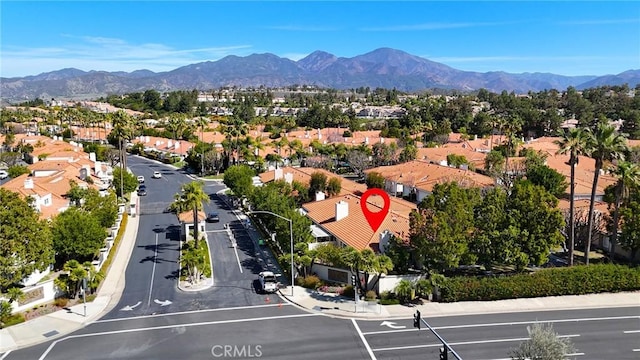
<point>348,291</point>
<point>370,295</point>
<point>576,280</point>
<point>386,295</point>
<point>61,302</point>
<point>423,288</point>
<point>389,302</point>
<point>12,320</point>
<point>311,282</point>
<point>91,297</point>
<point>347,133</point>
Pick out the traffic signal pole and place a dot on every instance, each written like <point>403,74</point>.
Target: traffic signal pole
<point>444,352</point>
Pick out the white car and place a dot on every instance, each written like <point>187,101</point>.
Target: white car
<point>3,174</point>
<point>268,282</point>
<point>157,174</point>
<point>140,179</point>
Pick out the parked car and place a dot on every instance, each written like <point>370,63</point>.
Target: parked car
<point>157,174</point>
<point>3,174</point>
<point>268,282</point>
<point>213,217</point>
<point>140,179</point>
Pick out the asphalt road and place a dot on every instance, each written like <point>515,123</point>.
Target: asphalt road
<point>596,334</point>
<point>274,331</point>
<point>152,272</point>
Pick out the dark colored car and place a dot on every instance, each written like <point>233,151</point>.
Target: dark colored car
<point>213,217</point>
<point>142,190</point>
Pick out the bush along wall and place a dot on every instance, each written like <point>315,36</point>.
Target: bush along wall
<point>577,280</point>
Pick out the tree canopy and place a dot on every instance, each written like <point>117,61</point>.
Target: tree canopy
<point>77,235</point>
<point>25,240</point>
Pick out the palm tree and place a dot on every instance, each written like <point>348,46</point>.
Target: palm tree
<point>202,122</point>
<point>606,144</point>
<point>628,175</point>
<point>122,130</point>
<point>192,198</point>
<point>573,142</point>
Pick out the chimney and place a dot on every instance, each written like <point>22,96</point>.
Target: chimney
<point>288,178</point>
<point>319,196</point>
<point>92,156</point>
<point>342,210</point>
<point>278,174</point>
<point>28,183</point>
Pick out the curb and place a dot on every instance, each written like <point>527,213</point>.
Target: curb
<point>206,287</point>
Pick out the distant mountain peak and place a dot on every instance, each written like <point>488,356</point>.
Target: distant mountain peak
<point>383,67</point>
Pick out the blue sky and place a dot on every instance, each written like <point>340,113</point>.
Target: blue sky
<point>568,38</point>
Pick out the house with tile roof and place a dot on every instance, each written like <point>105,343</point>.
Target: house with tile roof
<point>303,175</point>
<point>342,219</point>
<point>416,179</point>
<point>55,164</point>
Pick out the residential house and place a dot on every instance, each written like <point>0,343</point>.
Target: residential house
<point>303,175</point>
<point>416,179</point>
<point>342,219</point>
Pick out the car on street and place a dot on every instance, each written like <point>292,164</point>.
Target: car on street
<point>142,191</point>
<point>213,217</point>
<point>3,174</point>
<point>157,174</point>
<point>140,179</point>
<point>268,282</point>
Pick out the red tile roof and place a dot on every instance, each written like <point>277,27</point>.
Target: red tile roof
<point>354,230</point>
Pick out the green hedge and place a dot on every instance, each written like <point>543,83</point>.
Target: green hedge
<point>116,244</point>
<point>576,280</point>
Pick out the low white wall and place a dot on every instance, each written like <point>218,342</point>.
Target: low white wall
<point>35,295</point>
<point>389,282</point>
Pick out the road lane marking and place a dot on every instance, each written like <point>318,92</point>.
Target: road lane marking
<point>364,341</point>
<point>190,312</point>
<point>632,331</point>
<point>463,343</point>
<point>5,355</point>
<point>165,327</point>
<point>235,248</point>
<point>153,272</point>
<point>510,324</point>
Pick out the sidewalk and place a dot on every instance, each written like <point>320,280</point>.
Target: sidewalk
<point>63,322</point>
<point>338,306</point>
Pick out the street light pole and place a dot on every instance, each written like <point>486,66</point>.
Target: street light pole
<point>290,236</point>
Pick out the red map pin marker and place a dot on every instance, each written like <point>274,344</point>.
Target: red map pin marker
<point>375,219</point>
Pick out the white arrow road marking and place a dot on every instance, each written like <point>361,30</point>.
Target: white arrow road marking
<point>392,325</point>
<point>162,303</point>
<point>131,307</point>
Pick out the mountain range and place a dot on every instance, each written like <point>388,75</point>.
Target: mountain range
<point>384,67</point>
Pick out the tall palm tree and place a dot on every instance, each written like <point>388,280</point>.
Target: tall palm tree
<point>628,175</point>
<point>573,142</point>
<point>122,130</point>
<point>202,122</point>
<point>606,144</point>
<point>192,198</point>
